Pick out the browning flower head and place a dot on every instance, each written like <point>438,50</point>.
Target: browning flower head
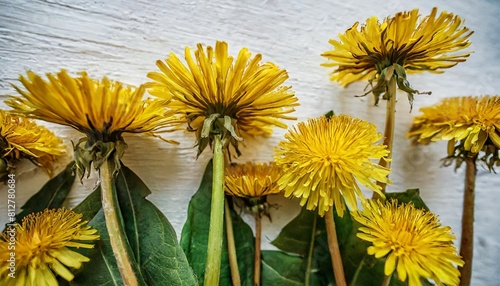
<point>217,95</point>
<point>412,240</point>
<point>102,109</point>
<point>473,122</point>
<point>23,138</point>
<point>401,41</point>
<point>324,158</point>
<point>44,243</point>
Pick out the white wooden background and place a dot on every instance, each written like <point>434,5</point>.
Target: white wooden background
<point>123,39</point>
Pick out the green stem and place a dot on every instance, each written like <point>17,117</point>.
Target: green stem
<point>467,241</point>
<point>215,234</point>
<point>333,245</point>
<point>231,247</point>
<point>116,237</point>
<point>311,250</point>
<point>390,116</point>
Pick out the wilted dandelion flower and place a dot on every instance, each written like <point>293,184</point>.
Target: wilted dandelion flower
<point>21,138</point>
<point>43,247</point>
<point>413,241</point>
<point>401,41</point>
<point>323,160</point>
<point>473,122</point>
<point>102,109</point>
<point>219,95</point>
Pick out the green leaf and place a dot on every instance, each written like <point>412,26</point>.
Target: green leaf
<point>90,206</point>
<point>245,247</point>
<point>279,268</point>
<point>410,196</point>
<point>151,237</point>
<point>102,268</point>
<point>295,237</point>
<point>150,234</point>
<point>329,114</point>
<point>194,237</point>
<point>52,195</point>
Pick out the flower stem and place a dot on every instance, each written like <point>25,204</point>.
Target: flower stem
<point>333,245</point>
<point>258,235</point>
<point>116,237</point>
<point>311,250</point>
<point>390,116</point>
<point>466,243</point>
<point>386,281</point>
<point>215,234</point>
<point>231,248</point>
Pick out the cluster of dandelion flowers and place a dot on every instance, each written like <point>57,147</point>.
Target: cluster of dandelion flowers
<point>102,109</point>
<point>324,158</point>
<point>416,46</point>
<point>219,95</point>
<point>44,243</point>
<point>473,121</point>
<point>23,138</point>
<point>413,240</point>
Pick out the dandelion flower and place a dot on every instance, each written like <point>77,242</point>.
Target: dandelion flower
<point>219,95</point>
<point>44,245</point>
<point>325,158</point>
<point>252,180</point>
<point>474,122</point>
<point>413,241</point>
<point>253,183</point>
<point>23,138</point>
<point>401,41</point>
<point>102,109</point>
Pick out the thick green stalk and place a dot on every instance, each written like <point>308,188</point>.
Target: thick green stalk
<point>333,245</point>
<point>467,241</point>
<point>390,116</point>
<point>215,234</point>
<point>231,247</point>
<point>116,237</point>
<point>311,250</point>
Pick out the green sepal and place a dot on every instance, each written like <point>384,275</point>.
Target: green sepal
<point>87,154</point>
<point>217,125</point>
<point>489,155</point>
<point>228,125</point>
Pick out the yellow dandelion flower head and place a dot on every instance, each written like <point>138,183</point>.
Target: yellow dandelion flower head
<point>219,95</point>
<point>413,241</point>
<point>23,138</point>
<point>475,120</point>
<point>323,160</point>
<point>43,246</point>
<point>102,109</point>
<point>252,180</point>
<point>470,125</point>
<point>427,45</point>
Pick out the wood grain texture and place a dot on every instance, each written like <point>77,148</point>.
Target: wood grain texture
<point>123,39</point>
